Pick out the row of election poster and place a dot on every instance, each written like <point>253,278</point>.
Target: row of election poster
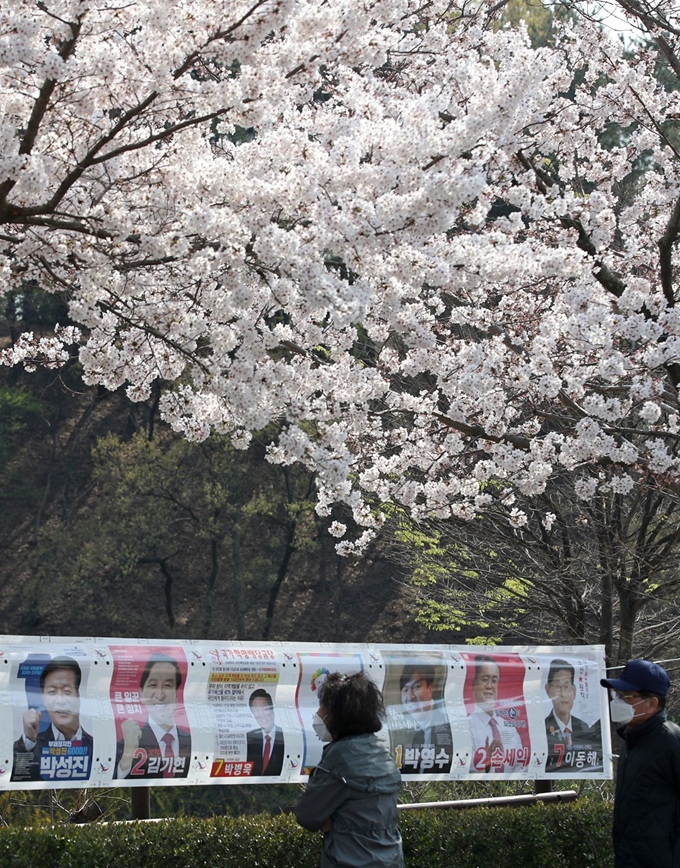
<point>130,712</point>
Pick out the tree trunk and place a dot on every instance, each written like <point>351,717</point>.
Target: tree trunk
<point>337,597</point>
<point>48,482</point>
<point>606,569</point>
<point>212,580</point>
<point>238,583</point>
<point>629,612</point>
<point>288,552</point>
<point>167,585</point>
<point>153,410</point>
<point>607,613</point>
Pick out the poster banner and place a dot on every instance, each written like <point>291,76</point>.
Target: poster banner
<point>153,738</point>
<point>140,712</point>
<point>500,739</point>
<point>242,695</point>
<point>420,731</point>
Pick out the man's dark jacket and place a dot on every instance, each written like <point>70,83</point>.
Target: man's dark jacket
<point>647,802</point>
<point>583,738</point>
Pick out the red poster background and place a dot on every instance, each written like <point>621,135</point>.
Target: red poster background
<point>128,664</point>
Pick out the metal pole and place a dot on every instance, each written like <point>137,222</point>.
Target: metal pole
<point>499,801</point>
<point>141,803</point>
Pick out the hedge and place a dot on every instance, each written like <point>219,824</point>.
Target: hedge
<point>560,836</point>
<point>572,835</point>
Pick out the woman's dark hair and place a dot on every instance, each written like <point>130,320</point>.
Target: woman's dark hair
<point>353,704</point>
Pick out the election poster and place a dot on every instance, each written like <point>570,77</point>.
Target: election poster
<point>420,731</point>
<point>500,741</point>
<point>315,666</point>
<point>153,737</point>
<point>573,725</point>
<point>140,712</point>
<point>241,692</point>
<point>50,720</point>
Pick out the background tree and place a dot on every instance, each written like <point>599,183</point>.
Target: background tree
<point>541,20</point>
<point>174,508</point>
<point>577,572</point>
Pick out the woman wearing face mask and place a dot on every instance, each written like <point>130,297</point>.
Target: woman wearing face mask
<point>352,794</point>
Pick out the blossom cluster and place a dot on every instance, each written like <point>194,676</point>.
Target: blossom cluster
<point>390,228</point>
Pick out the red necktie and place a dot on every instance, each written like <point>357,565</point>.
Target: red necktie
<point>267,752</point>
<point>496,737</point>
<point>567,733</point>
<point>495,730</point>
<point>168,764</point>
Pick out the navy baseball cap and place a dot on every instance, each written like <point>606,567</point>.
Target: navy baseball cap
<point>640,675</point>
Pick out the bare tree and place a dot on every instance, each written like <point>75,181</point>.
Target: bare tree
<point>603,571</point>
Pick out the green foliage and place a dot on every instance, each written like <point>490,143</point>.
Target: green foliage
<point>539,19</point>
<point>486,639</point>
<point>33,306</point>
<point>443,616</point>
<point>167,507</point>
<point>562,836</point>
<point>464,609</point>
<point>206,801</point>
<point>52,807</point>
<point>221,843</point>
<point>17,410</point>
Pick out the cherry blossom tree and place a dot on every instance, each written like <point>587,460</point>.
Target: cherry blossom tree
<point>386,225</point>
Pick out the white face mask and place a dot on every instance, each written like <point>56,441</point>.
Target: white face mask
<point>620,711</point>
<point>320,728</point>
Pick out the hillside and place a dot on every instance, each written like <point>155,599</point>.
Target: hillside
<point>49,500</point>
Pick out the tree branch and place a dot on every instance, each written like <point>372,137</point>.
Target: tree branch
<point>478,432</point>
<point>40,105</point>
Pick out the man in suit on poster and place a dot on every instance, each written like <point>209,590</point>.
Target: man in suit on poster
<point>431,746</point>
<point>71,759</point>
<point>159,748</point>
<point>572,744</point>
<point>496,743</point>
<point>265,744</point>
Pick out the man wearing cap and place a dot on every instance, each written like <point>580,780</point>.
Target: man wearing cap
<point>647,800</point>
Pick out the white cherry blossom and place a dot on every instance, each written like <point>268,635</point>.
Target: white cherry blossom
<point>387,230</point>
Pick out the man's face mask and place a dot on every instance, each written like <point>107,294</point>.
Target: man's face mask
<point>621,711</point>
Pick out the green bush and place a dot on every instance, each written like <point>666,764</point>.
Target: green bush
<point>534,836</point>
<point>559,836</point>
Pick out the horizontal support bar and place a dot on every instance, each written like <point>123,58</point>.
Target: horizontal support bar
<point>498,801</point>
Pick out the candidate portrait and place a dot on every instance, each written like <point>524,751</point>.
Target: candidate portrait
<point>62,750</point>
<point>265,743</point>
<point>158,748</point>
<point>573,744</point>
<point>428,743</point>
<point>496,743</point>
